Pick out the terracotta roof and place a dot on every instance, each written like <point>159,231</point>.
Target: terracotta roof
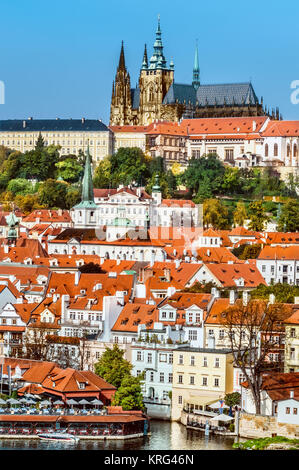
<point>230,126</point>
<point>167,128</point>
<point>282,238</point>
<point>139,129</point>
<point>279,253</point>
<point>46,215</point>
<point>183,203</point>
<point>293,319</point>
<point>279,385</point>
<point>134,314</point>
<point>282,129</point>
<point>216,255</point>
<point>215,314</point>
<point>227,274</point>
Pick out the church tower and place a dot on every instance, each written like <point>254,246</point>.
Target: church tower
<point>85,213</point>
<point>121,103</point>
<point>154,81</point>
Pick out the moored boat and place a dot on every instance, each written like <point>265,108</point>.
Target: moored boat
<point>58,436</point>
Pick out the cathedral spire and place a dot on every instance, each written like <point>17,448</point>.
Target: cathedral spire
<point>158,57</point>
<point>195,80</point>
<point>145,60</point>
<point>121,64</point>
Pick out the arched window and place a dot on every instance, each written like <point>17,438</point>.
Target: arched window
<point>266,150</point>
<point>150,93</point>
<point>295,153</point>
<point>275,153</point>
<point>288,150</point>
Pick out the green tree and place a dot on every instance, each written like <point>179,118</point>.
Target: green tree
<point>53,194</point>
<point>257,216</point>
<point>207,167</point>
<point>204,192</point>
<point>129,165</point>
<point>215,214</point>
<point>40,163</point>
<point>129,394</point>
<point>240,214</point>
<point>232,399</point>
<point>112,366</point>
<point>102,174</point>
<point>289,218</point>
<point>73,197</point>
<point>69,169</point>
<point>20,186</point>
<point>28,203</point>
<point>231,182</point>
<point>284,293</point>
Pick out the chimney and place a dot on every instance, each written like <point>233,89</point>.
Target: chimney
<point>24,124</point>
<point>291,393</point>
<point>271,299</point>
<point>215,292</point>
<point>83,120</point>
<point>167,274</point>
<point>253,126</point>
<point>232,297</point>
<point>77,277</point>
<point>177,263</point>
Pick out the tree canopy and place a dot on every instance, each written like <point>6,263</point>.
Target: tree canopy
<point>112,366</point>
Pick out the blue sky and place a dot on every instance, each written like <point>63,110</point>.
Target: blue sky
<point>58,58</point>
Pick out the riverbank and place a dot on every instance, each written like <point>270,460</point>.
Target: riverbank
<point>268,443</point>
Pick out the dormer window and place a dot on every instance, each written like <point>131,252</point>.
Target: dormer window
<point>82,385</point>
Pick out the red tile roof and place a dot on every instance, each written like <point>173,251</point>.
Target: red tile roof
<point>282,129</point>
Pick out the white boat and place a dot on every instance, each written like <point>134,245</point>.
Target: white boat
<point>58,436</point>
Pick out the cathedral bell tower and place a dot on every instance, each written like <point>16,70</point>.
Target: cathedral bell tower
<point>121,103</point>
<point>154,81</point>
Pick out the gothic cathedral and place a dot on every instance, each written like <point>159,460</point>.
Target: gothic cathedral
<point>159,97</point>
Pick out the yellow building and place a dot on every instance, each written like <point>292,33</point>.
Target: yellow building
<point>291,363</point>
<point>200,377</point>
<point>71,135</point>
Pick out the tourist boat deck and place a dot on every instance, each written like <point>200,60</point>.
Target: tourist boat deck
<point>113,426</point>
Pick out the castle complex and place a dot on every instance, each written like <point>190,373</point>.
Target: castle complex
<point>158,96</point>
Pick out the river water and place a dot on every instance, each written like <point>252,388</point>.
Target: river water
<point>164,436</point>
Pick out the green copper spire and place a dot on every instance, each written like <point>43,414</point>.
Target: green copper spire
<point>87,186</point>
<point>87,198</point>
<point>196,81</point>
<point>145,61</point>
<point>156,188</point>
<point>158,57</point>
<point>12,221</point>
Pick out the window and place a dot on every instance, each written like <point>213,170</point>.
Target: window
<point>266,150</point>
<point>217,362</point>
<point>221,334</point>
<point>293,333</point>
<point>81,385</point>
<point>181,359</point>
<point>205,362</point>
<point>162,377</point>
<point>229,154</point>
<point>151,376</point>
<point>275,150</point>
<point>294,411</point>
<point>288,410</point>
<point>138,372</point>
<point>192,335</point>
<point>216,382</point>
<point>170,378</point>
<point>180,399</point>
<point>180,379</point>
<point>162,357</point>
<point>192,361</point>
<point>170,358</point>
<point>149,358</point>
<point>205,381</point>
<point>139,356</point>
<point>192,379</point>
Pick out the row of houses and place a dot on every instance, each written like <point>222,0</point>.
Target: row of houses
<point>241,142</point>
